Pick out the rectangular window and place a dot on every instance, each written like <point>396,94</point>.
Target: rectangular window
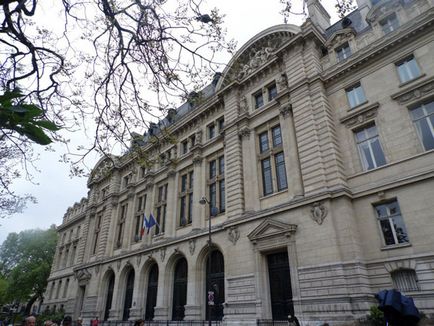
<point>370,150</point>
<point>355,95</point>
<point>391,223</point>
<point>343,52</point>
<point>184,147</point>
<point>96,233</point>
<point>211,131</point>
<point>273,169</point>
<point>259,100</point>
<point>272,92</point>
<point>161,207</point>
<point>408,69</point>
<point>65,291</point>
<point>423,119</point>
<point>121,223</point>
<point>216,184</point>
<point>221,124</point>
<point>389,24</point>
<point>186,199</point>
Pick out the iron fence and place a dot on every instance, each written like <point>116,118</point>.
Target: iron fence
<point>161,323</point>
<point>271,322</point>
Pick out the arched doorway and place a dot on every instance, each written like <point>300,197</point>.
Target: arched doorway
<point>129,289</point>
<point>215,281</point>
<point>109,297</point>
<point>179,290</point>
<point>151,293</point>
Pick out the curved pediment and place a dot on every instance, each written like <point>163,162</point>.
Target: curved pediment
<point>339,37</point>
<point>101,169</point>
<point>256,52</point>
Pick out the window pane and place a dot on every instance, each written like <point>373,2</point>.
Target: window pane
<point>423,117</point>
<point>190,208</point>
<point>401,232</point>
<point>212,169</point>
<point>367,159</point>
<point>277,136</point>
<point>263,142</point>
<point>212,195</point>
<point>222,207</point>
<point>280,171</point>
<point>221,165</point>
<point>355,95</point>
<point>266,176</point>
<point>392,223</point>
<point>182,220</point>
<point>378,153</point>
<point>259,100</point>
<point>387,232</point>
<point>183,183</point>
<point>272,92</point>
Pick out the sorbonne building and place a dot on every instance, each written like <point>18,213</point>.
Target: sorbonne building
<point>316,146</point>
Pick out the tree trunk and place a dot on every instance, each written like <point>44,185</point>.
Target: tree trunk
<point>30,303</point>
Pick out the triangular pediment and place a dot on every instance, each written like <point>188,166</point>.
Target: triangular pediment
<point>339,37</point>
<point>271,228</point>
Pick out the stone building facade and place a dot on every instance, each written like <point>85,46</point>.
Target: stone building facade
<point>316,145</point>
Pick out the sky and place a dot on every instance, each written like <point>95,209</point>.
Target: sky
<point>56,191</point>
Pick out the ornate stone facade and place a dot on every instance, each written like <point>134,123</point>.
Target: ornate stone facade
<point>316,159</point>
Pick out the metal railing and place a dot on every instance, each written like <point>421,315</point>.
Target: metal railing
<point>160,323</point>
<point>271,322</point>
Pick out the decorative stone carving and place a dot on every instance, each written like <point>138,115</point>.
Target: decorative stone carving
<point>244,107</point>
<point>199,137</point>
<point>97,268</point>
<point>197,159</point>
<point>244,133</point>
<point>285,109</point>
<point>319,212</point>
<point>257,58</point>
<point>118,265</point>
<point>419,90</point>
<point>192,246</point>
<point>383,8</point>
<point>83,276</point>
<point>102,170</point>
<point>282,82</point>
<point>162,253</point>
<point>138,259</point>
<point>233,235</point>
<point>361,116</point>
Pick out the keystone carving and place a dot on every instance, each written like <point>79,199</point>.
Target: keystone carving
<point>192,246</point>
<point>319,212</point>
<point>162,253</point>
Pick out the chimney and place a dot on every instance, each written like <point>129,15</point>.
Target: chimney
<point>318,15</point>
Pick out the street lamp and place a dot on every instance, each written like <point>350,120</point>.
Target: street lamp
<point>213,211</point>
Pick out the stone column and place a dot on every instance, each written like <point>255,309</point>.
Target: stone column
<point>193,307</point>
<point>161,310</point>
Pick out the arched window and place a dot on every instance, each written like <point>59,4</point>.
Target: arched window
<point>179,290</point>
<point>215,282</point>
<point>405,280</point>
<point>128,295</point>
<point>109,298</point>
<point>151,295</point>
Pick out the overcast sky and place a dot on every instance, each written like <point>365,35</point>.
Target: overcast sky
<point>55,191</point>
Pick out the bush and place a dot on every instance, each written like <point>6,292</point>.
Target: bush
<point>376,316</point>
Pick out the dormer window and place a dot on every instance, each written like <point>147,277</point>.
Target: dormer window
<point>343,52</point>
<point>389,24</point>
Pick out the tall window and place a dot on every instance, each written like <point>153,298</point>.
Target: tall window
<point>140,209</point>
<point>423,118</point>
<point>391,223</point>
<point>272,92</point>
<point>121,224</point>
<point>96,233</point>
<point>184,147</point>
<point>216,183</point>
<point>408,69</point>
<point>65,290</point>
<point>343,52</point>
<point>59,286</point>
<point>73,253</point>
<point>211,131</point>
<point>161,208</point>
<point>272,161</point>
<point>186,199</point>
<point>259,99</point>
<point>355,95</point>
<point>370,151</point>
<point>389,24</point>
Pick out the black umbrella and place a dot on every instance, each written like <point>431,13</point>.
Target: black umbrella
<point>398,309</point>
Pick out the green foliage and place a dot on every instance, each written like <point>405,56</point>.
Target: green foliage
<point>26,119</point>
<point>56,317</point>
<point>3,290</point>
<point>376,316</point>
<point>25,263</point>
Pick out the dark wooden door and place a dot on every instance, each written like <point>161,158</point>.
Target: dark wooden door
<point>280,285</point>
<point>128,295</point>
<point>179,290</point>
<point>109,299</point>
<point>215,281</point>
<point>151,295</point>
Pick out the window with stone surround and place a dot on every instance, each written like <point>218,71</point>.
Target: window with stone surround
<point>343,52</point>
<point>272,91</point>
<point>355,95</point>
<point>161,209</point>
<point>391,223</point>
<point>184,147</point>
<point>211,130</point>
<point>185,198</point>
<point>405,280</point>
<point>369,147</point>
<point>121,224</point>
<point>216,182</point>
<point>272,160</point>
<point>259,99</point>
<point>96,233</point>
<point>423,119</point>
<point>59,285</point>
<point>408,69</point>
<point>140,210</point>
<point>389,24</point>
<point>65,290</point>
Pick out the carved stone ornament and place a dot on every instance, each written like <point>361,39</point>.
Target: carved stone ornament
<point>83,275</point>
<point>243,107</point>
<point>162,253</point>
<point>258,57</point>
<point>285,109</point>
<point>102,170</point>
<point>192,246</point>
<point>244,133</point>
<point>118,265</point>
<point>420,90</point>
<point>282,82</point>
<point>97,268</point>
<point>319,212</point>
<point>233,235</point>
<point>197,159</point>
<point>139,259</point>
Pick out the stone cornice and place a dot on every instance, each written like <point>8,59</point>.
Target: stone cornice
<point>415,91</point>
<point>361,115</point>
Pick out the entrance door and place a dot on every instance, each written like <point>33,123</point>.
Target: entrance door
<point>215,281</point>
<point>128,295</point>
<point>280,285</point>
<point>109,299</point>
<point>151,296</point>
<point>179,290</point>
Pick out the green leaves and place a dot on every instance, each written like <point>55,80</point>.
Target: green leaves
<point>26,119</point>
